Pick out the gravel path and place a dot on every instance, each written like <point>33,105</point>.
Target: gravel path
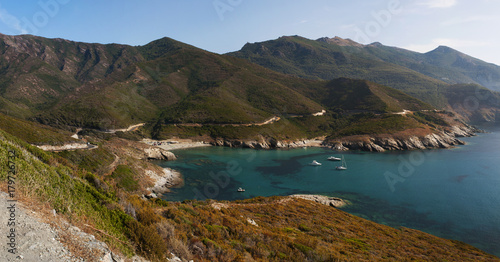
<point>38,241</point>
<point>34,240</point>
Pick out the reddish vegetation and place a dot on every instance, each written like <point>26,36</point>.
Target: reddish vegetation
<point>279,229</point>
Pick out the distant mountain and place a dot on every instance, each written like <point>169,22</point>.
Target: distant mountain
<point>425,76</point>
<point>443,63</point>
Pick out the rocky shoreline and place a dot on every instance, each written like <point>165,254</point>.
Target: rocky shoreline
<point>443,139</point>
<point>269,143</point>
<point>162,182</point>
<point>372,143</point>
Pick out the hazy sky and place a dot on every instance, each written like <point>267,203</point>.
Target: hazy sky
<point>226,25</point>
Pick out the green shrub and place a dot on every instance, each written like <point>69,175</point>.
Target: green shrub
<point>125,178</point>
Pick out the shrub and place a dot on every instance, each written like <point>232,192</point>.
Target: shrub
<point>125,178</point>
<point>149,243</point>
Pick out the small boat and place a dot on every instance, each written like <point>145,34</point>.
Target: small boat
<point>315,163</point>
<point>241,190</point>
<point>332,158</point>
<point>343,166</point>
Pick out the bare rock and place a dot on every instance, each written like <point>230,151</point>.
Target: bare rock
<point>156,153</point>
<point>325,200</point>
<point>163,181</point>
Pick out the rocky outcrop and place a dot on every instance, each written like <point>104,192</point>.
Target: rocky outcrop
<point>462,131</point>
<point>156,153</point>
<point>163,181</point>
<point>325,200</point>
<point>267,143</point>
<point>376,143</point>
<point>444,139</point>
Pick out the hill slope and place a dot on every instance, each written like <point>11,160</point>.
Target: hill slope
<point>168,83</point>
<point>64,83</point>
<point>424,76</point>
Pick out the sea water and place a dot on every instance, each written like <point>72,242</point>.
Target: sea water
<point>451,193</point>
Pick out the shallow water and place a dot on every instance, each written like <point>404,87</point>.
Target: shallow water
<point>452,193</point>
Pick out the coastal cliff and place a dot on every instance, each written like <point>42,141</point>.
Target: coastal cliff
<point>269,143</point>
<point>416,139</point>
<point>380,143</point>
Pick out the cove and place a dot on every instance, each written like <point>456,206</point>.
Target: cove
<point>453,193</point>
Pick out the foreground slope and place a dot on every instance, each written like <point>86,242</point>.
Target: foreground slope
<point>263,229</point>
<point>290,229</point>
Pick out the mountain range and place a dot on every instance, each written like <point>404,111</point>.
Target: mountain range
<point>328,58</point>
<point>434,77</point>
<point>180,89</point>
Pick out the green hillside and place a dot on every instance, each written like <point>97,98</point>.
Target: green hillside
<point>424,76</point>
<point>64,83</point>
<point>181,90</point>
<point>348,94</point>
<point>324,59</point>
<point>167,82</point>
<point>195,86</point>
<point>34,133</point>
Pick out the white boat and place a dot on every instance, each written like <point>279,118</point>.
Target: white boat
<point>315,163</point>
<point>343,166</point>
<point>332,158</point>
<point>241,190</point>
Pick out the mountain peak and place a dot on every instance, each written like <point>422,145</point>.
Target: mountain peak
<point>376,44</point>
<point>339,41</point>
<point>443,49</point>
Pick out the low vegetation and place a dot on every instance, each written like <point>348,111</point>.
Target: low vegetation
<point>34,133</point>
<point>282,229</point>
<point>263,229</point>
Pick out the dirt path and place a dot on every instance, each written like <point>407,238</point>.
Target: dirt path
<point>128,129</point>
<point>271,120</point>
<point>404,112</point>
<point>68,147</point>
<point>113,165</point>
<point>35,240</point>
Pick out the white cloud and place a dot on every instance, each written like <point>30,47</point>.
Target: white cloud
<point>453,43</point>
<point>439,3</point>
<point>11,21</point>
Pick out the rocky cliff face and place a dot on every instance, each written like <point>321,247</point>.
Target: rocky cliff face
<point>266,143</point>
<point>443,139</point>
<point>376,143</point>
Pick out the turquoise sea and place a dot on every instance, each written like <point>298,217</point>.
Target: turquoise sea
<point>452,193</point>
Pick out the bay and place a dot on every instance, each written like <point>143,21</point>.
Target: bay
<point>452,193</point>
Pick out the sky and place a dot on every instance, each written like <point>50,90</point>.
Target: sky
<point>222,26</point>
